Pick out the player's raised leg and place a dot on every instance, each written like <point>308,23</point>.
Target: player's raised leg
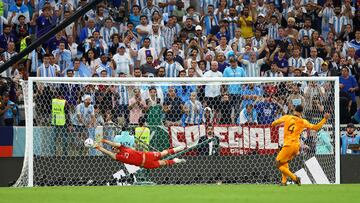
<point>171,162</point>
<point>172,151</point>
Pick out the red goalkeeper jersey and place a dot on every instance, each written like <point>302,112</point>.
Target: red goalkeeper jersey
<point>130,156</point>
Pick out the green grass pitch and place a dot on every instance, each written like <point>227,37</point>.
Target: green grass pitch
<point>184,194</point>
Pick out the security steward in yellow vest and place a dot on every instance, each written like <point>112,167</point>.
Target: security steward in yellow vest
<point>142,136</point>
<point>59,119</point>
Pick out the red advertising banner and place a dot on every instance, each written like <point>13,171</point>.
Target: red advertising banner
<point>233,139</point>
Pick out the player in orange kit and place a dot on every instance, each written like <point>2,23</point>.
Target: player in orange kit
<point>148,160</point>
<point>293,127</point>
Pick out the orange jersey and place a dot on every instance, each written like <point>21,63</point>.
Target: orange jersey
<point>293,127</point>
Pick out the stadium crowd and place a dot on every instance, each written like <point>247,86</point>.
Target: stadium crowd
<point>183,38</point>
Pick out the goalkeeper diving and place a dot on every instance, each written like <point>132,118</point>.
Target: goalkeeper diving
<point>293,127</point>
<point>148,160</point>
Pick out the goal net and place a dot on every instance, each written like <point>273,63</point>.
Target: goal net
<point>223,123</point>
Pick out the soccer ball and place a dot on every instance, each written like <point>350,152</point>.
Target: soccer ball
<point>89,142</point>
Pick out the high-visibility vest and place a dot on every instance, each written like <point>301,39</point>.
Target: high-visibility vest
<point>142,135</point>
<point>58,112</point>
<point>23,45</point>
<point>1,8</point>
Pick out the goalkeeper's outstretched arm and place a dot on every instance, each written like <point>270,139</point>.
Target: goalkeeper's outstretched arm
<point>113,144</point>
<point>105,151</point>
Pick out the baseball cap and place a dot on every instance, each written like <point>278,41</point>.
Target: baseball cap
<point>198,27</point>
<point>261,15</point>
<point>324,63</point>
<point>232,59</point>
<point>350,125</point>
<point>122,45</point>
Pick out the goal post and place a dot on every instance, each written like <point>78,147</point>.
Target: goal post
<point>244,152</point>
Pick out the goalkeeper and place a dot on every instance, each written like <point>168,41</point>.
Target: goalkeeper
<point>148,160</point>
<point>293,127</point>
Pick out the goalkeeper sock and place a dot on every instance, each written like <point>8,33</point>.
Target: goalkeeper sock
<point>287,172</point>
<point>169,162</point>
<point>175,150</point>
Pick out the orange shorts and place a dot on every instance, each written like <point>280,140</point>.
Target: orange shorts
<point>287,153</point>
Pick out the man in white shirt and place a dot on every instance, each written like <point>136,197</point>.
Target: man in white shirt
<point>144,29</point>
<point>213,92</point>
<point>145,51</point>
<point>122,61</point>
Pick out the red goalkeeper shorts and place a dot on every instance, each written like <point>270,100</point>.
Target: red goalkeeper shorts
<point>152,160</point>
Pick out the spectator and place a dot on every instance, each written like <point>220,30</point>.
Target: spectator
<point>5,56</point>
<point>349,85</point>
<point>296,61</point>
<point>337,22</point>
<point>253,65</point>
<point>85,119</point>
<point>46,69</point>
<point>350,138</point>
<point>8,111</point>
<point>193,111</point>
<point>249,94</point>
<point>213,92</point>
<point>295,98</point>
<point>122,61</point>
<point>274,71</point>
<point>88,30</point>
<point>144,29</point>
<point>184,90</point>
<point>172,68</point>
<point>248,115</point>
<point>268,109</point>
<point>153,108</point>
<point>157,42</point>
<point>220,58</point>
<point>169,31</point>
<point>135,15</point>
<point>172,107</point>
<point>137,106</point>
<point>145,51</point>
<point>63,58</point>
<point>17,9</point>
<point>6,37</point>
<point>234,89</point>
<point>122,100</point>
<point>149,9</point>
<point>108,30</point>
<point>148,67</point>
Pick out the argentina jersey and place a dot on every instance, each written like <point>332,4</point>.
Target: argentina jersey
<point>338,22</point>
<point>171,70</point>
<point>194,114</point>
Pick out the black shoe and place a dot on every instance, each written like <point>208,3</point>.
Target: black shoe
<point>298,181</point>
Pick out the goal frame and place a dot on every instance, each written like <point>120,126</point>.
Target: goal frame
<point>29,150</point>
